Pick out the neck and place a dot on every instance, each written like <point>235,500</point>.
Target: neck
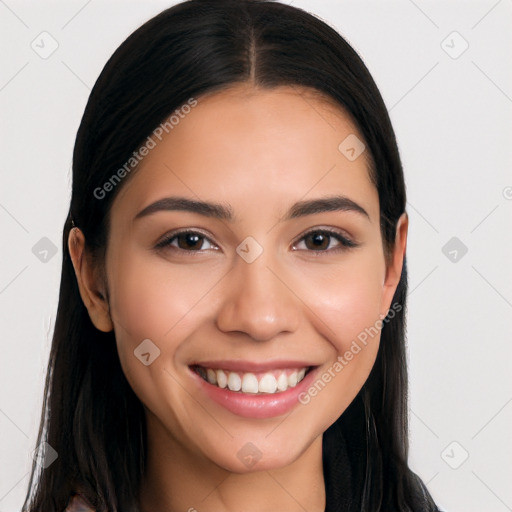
<point>178,480</point>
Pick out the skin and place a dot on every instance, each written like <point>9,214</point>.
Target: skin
<point>259,151</point>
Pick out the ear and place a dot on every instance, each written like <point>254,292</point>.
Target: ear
<point>92,290</point>
<point>394,268</point>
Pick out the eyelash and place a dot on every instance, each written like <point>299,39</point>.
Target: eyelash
<point>345,243</point>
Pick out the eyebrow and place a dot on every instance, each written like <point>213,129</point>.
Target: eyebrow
<point>225,212</point>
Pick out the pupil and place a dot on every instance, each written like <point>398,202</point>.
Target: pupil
<point>191,239</point>
<point>319,240</point>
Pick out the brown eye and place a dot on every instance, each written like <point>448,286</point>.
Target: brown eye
<point>191,241</point>
<point>321,240</point>
<point>318,241</point>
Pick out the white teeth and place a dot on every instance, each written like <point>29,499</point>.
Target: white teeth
<point>268,384</point>
<point>211,376</point>
<point>282,382</point>
<point>234,382</point>
<point>249,383</point>
<point>292,379</point>
<point>222,380</point>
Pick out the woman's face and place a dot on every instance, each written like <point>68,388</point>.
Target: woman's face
<point>277,286</point>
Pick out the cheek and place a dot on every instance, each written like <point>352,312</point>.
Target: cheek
<point>347,300</point>
<point>148,302</point>
<point>150,298</point>
<point>351,311</point>
<point>344,307</point>
<point>345,311</point>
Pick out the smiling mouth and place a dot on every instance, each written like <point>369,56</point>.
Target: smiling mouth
<point>257,383</point>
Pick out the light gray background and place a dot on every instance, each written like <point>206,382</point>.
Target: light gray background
<point>452,117</point>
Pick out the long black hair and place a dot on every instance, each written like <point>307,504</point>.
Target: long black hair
<point>91,417</point>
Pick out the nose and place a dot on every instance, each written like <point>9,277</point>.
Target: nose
<point>259,301</point>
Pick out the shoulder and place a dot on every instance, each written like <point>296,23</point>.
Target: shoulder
<point>78,504</point>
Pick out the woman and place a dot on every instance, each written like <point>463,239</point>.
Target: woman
<point>230,331</point>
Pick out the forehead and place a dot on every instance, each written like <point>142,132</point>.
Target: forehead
<point>245,144</point>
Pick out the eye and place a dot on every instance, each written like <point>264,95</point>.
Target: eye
<point>191,241</point>
<point>317,240</point>
<point>320,240</point>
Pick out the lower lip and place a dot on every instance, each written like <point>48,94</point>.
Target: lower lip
<point>249,405</point>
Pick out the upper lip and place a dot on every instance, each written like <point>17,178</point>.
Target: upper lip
<point>252,366</point>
